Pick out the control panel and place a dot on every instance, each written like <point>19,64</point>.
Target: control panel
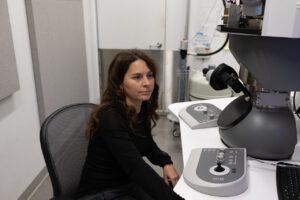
<point>200,115</point>
<point>217,172</point>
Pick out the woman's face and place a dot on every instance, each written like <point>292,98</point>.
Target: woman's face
<point>138,83</point>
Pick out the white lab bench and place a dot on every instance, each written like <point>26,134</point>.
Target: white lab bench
<point>262,177</point>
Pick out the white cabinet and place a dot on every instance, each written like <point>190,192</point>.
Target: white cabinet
<point>124,24</point>
<point>155,26</point>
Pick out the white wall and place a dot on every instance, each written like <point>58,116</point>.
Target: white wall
<point>204,17</point>
<point>91,42</point>
<point>20,153</point>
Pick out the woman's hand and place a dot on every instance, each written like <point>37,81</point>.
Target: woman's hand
<point>171,174</point>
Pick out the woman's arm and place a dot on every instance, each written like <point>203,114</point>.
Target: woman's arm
<point>170,174</point>
<point>161,158</point>
<point>115,132</point>
<point>156,155</point>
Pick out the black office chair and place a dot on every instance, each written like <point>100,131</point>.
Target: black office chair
<point>64,147</point>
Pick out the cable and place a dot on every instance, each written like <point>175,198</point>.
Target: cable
<point>211,53</point>
<point>262,161</point>
<point>294,105</point>
<point>224,3</point>
<point>218,50</point>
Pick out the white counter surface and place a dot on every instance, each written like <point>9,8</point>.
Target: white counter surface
<point>262,177</point>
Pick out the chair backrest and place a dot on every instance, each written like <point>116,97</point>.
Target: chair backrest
<point>64,146</point>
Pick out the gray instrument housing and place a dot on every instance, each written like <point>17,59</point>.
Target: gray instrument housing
<point>197,172</point>
<point>200,115</point>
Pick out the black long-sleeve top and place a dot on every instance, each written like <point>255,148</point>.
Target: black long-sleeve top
<point>115,156</point>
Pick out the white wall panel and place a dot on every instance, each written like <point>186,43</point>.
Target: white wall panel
<point>59,53</point>
<point>20,153</point>
<point>8,72</point>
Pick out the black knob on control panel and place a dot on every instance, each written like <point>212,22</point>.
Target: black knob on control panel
<point>219,167</point>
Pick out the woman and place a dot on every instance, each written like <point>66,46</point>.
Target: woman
<point>119,130</point>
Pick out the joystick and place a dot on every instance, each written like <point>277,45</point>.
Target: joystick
<point>220,160</point>
<point>219,168</point>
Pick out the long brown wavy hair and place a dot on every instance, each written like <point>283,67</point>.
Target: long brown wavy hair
<point>113,93</point>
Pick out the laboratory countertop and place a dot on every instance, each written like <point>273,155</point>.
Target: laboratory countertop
<point>261,176</point>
